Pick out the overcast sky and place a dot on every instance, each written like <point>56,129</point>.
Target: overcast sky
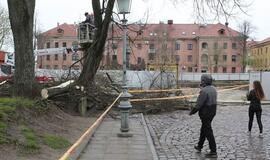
<point>49,12</point>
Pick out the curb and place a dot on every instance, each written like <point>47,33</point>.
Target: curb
<point>237,102</point>
<point>149,138</point>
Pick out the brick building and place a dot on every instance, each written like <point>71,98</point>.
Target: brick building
<point>54,48</point>
<point>194,47</point>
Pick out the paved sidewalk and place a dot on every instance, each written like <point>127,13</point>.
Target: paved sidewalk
<point>105,145</point>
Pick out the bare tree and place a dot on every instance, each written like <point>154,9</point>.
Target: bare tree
<point>21,14</point>
<point>5,30</point>
<point>245,29</point>
<point>205,10</point>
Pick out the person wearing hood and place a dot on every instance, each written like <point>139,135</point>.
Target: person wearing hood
<point>206,105</point>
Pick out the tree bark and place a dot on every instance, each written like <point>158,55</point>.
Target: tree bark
<point>21,14</point>
<point>94,53</point>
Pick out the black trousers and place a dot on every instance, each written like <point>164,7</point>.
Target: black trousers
<point>207,132</point>
<point>259,119</point>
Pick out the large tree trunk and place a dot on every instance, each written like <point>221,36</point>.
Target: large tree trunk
<point>21,13</point>
<point>94,53</point>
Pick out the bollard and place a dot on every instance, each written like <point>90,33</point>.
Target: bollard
<point>83,106</point>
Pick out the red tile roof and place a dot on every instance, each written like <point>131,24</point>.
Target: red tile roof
<point>69,30</point>
<point>259,43</point>
<point>181,30</point>
<point>251,43</point>
<point>174,30</point>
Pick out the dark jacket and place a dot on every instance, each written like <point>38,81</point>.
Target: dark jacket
<point>255,102</point>
<point>89,19</point>
<point>207,100</point>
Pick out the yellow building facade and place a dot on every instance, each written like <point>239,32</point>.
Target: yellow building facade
<point>260,55</point>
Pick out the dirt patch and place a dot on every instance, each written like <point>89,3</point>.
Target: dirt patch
<point>53,122</point>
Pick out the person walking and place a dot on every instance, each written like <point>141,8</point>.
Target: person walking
<point>255,96</point>
<point>206,105</point>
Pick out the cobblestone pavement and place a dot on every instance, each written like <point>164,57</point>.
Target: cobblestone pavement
<point>175,134</point>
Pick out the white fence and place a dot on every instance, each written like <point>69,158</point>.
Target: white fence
<point>148,79</point>
<point>216,76</point>
<point>264,78</point>
<point>155,79</point>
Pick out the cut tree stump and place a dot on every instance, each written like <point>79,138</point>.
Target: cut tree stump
<point>56,90</point>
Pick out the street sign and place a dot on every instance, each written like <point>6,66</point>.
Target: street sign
<point>10,59</point>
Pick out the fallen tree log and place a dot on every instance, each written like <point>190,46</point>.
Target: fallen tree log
<point>59,90</point>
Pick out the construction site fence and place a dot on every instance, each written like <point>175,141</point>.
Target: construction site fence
<point>147,79</point>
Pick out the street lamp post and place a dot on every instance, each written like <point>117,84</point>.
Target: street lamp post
<point>125,105</point>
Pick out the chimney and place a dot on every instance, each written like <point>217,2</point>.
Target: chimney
<point>226,24</point>
<point>57,24</point>
<point>170,21</point>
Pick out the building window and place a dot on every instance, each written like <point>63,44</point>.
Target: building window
<point>152,46</point>
<point>139,60</point>
<point>216,59</point>
<point>56,44</point>
<point>48,57</point>
<point>64,67</point>
<point>64,44</point>
<point>189,58</point>
<point>204,59</point>
<point>48,45</point>
<point>215,69</point>
<point>177,46</point>
<point>224,58</point>
<point>221,31</point>
<point>189,46</point>
<point>233,69</point>
<point>151,56</point>
<point>189,69</point>
<point>266,50</point>
<point>225,45</point>
<point>234,46</point>
<point>48,67</point>
<point>215,45</point>
<point>64,57</point>
<point>164,45</point>
<point>114,46</point>
<point>55,67</point>
<point>75,57</point>
<point>224,70</point>
<point>56,57</point>
<point>139,46</point>
<point>233,58</point>
<point>177,58</point>
<point>204,45</point>
<point>114,57</point>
